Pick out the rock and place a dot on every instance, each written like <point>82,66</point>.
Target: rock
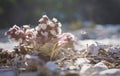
<point>81,61</point>
<point>94,49</point>
<point>114,49</point>
<point>31,57</point>
<point>98,68</point>
<point>86,70</point>
<point>9,73</point>
<point>73,68</point>
<point>110,72</point>
<point>48,69</point>
<point>51,66</point>
<point>89,70</point>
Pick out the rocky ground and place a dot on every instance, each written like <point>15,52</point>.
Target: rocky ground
<point>97,53</point>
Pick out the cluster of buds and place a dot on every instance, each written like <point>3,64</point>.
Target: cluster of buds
<point>48,29</point>
<point>15,33</point>
<point>20,34</point>
<point>46,37</point>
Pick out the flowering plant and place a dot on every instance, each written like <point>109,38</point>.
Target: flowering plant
<point>46,38</point>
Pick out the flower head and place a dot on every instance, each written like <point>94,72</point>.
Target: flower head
<point>48,28</point>
<point>15,33</point>
<point>66,38</point>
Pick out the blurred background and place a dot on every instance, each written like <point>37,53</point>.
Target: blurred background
<point>74,13</point>
<point>87,19</point>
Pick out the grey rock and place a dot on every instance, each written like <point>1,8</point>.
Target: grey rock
<point>110,72</point>
<point>86,70</point>
<point>51,66</point>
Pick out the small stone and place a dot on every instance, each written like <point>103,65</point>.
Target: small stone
<point>93,50</point>
<point>114,49</point>
<point>72,67</point>
<point>31,57</point>
<point>7,73</point>
<point>97,68</point>
<point>51,66</point>
<point>110,72</point>
<point>100,67</point>
<point>81,61</point>
<point>86,70</point>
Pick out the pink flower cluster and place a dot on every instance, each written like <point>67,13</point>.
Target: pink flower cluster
<point>20,34</point>
<point>66,38</point>
<point>48,29</point>
<point>42,37</point>
<point>15,33</point>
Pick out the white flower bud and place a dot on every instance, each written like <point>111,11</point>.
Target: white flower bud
<point>10,29</point>
<point>59,24</point>
<point>54,19</point>
<point>44,33</point>
<point>44,16</point>
<point>50,23</point>
<point>17,27</point>
<point>40,20</point>
<point>53,32</point>
<point>37,28</point>
<point>26,26</point>
<point>43,26</point>
<point>32,29</point>
<point>59,30</point>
